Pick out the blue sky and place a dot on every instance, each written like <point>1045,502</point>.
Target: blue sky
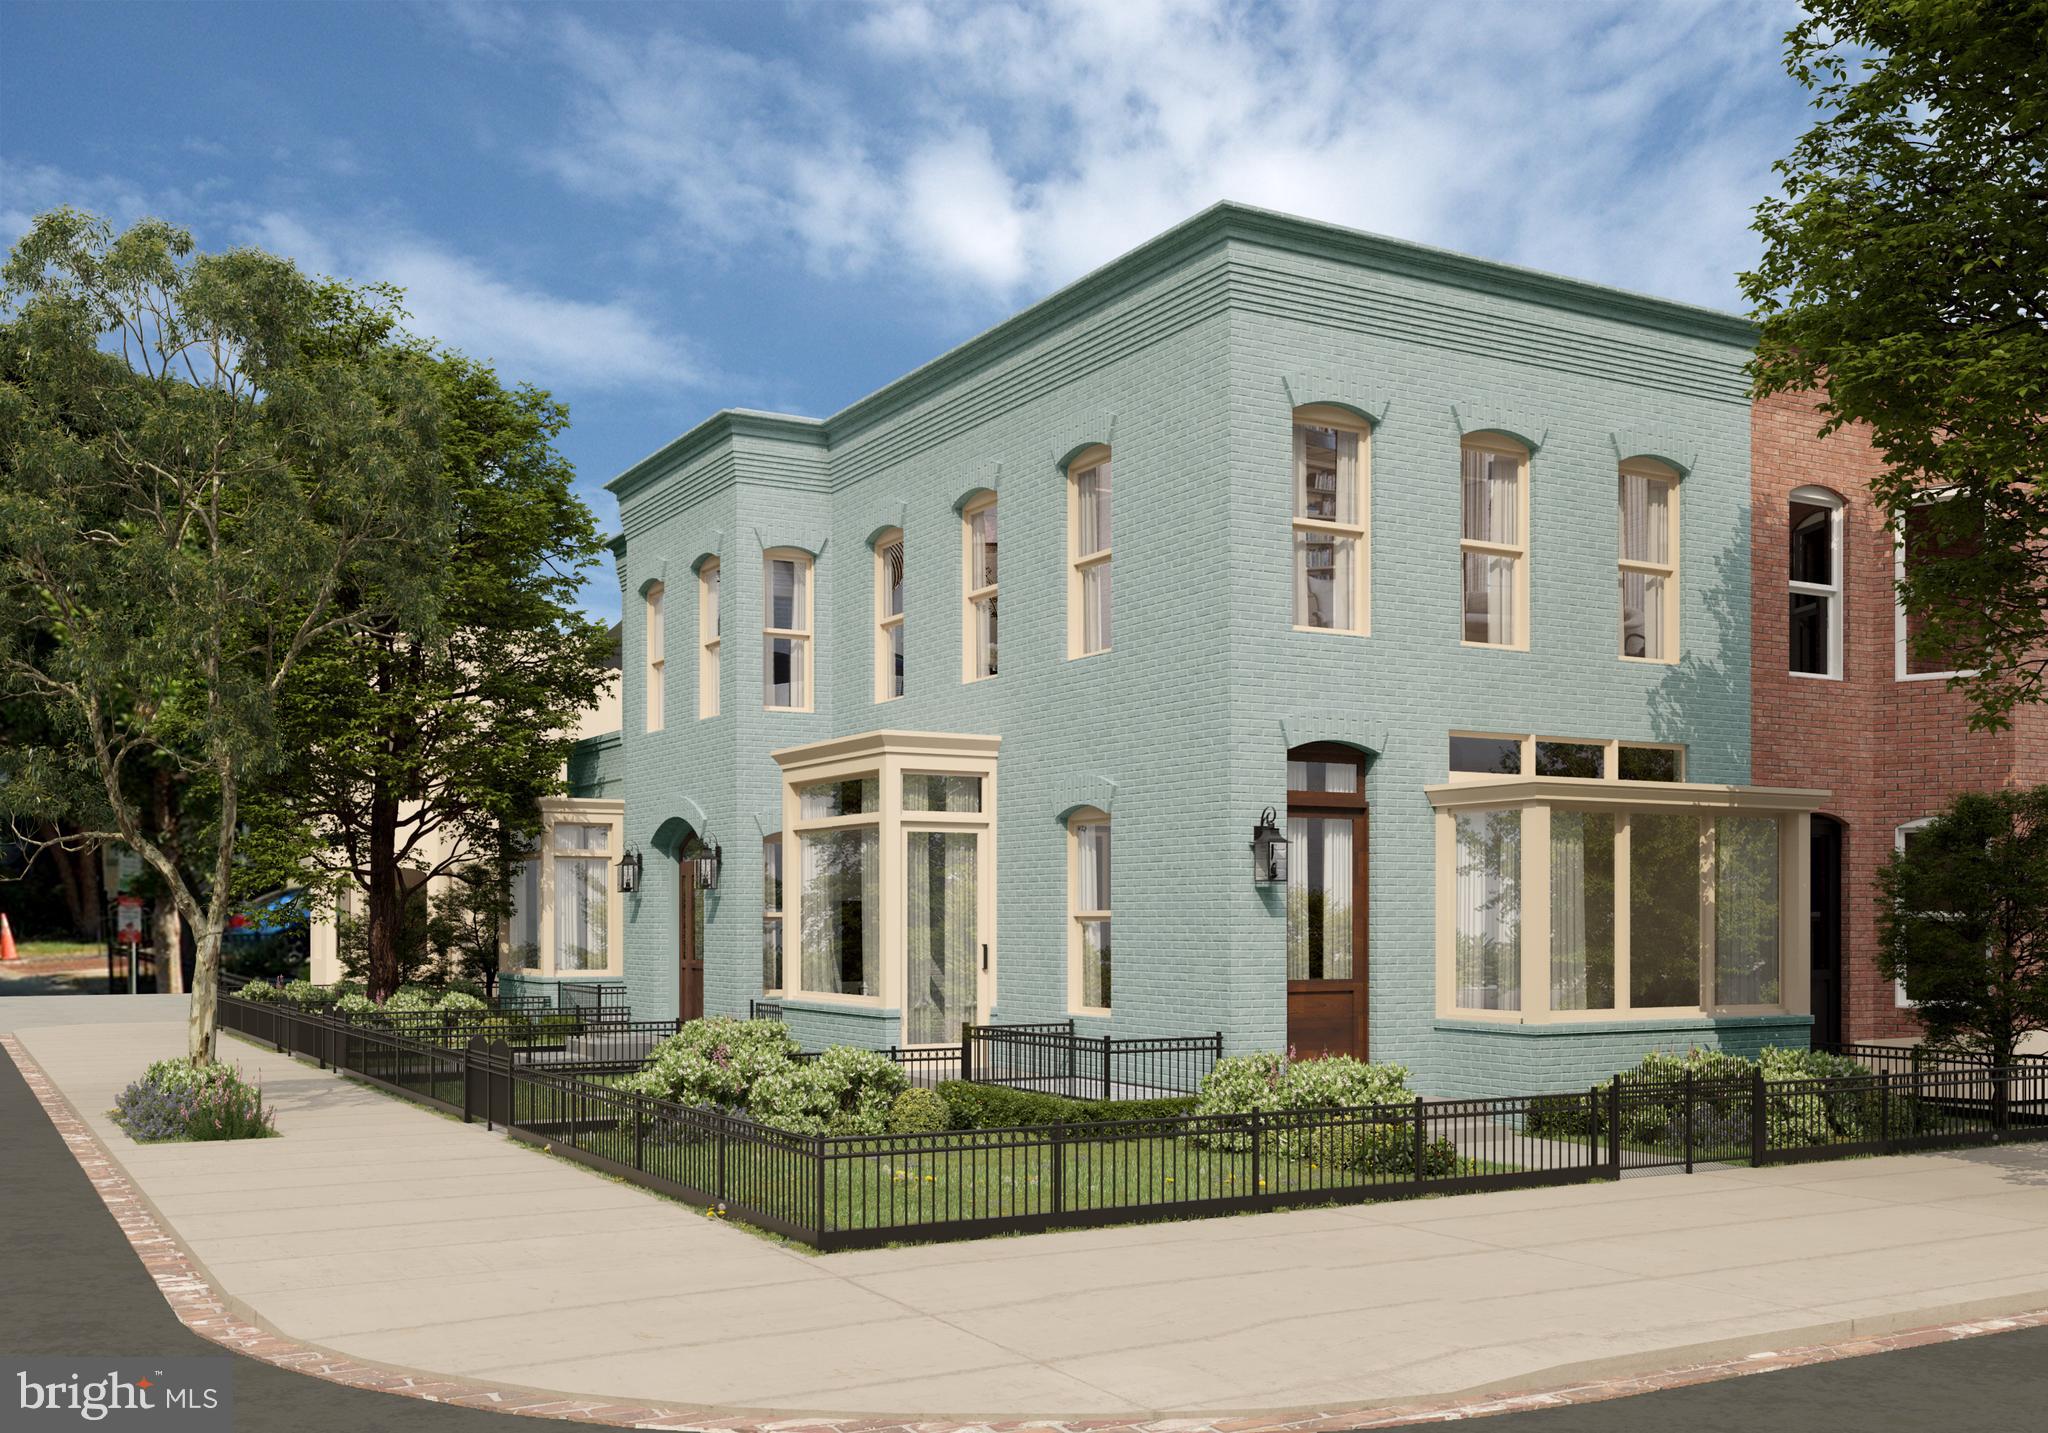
<point>659,210</point>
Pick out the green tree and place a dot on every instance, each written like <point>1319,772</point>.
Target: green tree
<point>1963,920</point>
<point>1905,278</point>
<point>424,733</point>
<point>468,915</point>
<point>199,453</point>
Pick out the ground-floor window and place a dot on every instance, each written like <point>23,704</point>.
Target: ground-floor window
<point>566,913</point>
<point>1088,940</point>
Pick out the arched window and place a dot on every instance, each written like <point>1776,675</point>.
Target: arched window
<point>1494,543</point>
<point>786,631</point>
<point>1814,635</point>
<point>1332,513</point>
<point>1088,904</point>
<point>1088,545</point>
<point>708,619</point>
<point>979,523</point>
<point>656,638</point>
<point>1649,561</point>
<point>889,616</point>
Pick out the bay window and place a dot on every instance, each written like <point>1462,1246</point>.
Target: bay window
<point>1493,545</point>
<point>1814,637</point>
<point>786,632</point>
<point>1649,561</point>
<point>1331,513</point>
<point>1567,900</point>
<point>1088,568</point>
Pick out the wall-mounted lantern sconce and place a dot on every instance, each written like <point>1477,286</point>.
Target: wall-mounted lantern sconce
<point>629,871</point>
<point>1269,851</point>
<point>708,867</point>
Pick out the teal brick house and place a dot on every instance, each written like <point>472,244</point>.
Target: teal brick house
<point>1434,570</point>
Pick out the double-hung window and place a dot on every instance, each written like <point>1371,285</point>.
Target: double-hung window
<point>786,632</point>
<point>889,616</point>
<point>980,524</point>
<point>708,618</point>
<point>1330,521</point>
<point>1814,638</point>
<point>1494,546</point>
<point>1088,942</point>
<point>657,653</point>
<point>1649,562</point>
<point>582,861</point>
<point>771,913</point>
<point>1937,529</point>
<point>1088,527</point>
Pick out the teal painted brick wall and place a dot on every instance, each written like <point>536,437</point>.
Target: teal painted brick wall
<point>1190,369</point>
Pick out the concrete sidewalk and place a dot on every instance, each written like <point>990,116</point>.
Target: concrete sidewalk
<point>392,1234</point>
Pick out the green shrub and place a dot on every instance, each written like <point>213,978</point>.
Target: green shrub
<point>1268,1084</point>
<point>176,1100</point>
<point>408,998</point>
<point>457,1001</point>
<point>843,1091</point>
<point>713,1061</point>
<point>305,994</point>
<point>260,991</point>
<point>352,1005</point>
<point>918,1112</point>
<point>975,1106</point>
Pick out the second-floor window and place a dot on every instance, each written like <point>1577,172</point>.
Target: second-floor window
<point>1329,522</point>
<point>1649,562</point>
<point>889,616</point>
<point>1493,546</point>
<point>708,619</point>
<point>786,632</point>
<point>657,653</point>
<point>1814,638</point>
<point>1088,527</point>
<point>981,590</point>
<point>1937,528</point>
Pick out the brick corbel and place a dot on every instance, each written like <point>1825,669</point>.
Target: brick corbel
<point>1072,437</point>
<point>1310,387</point>
<point>1096,791</point>
<point>1479,418</point>
<point>1648,443</point>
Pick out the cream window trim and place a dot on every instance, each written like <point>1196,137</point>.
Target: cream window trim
<point>1081,566</point>
<point>975,592</point>
<point>1501,446</point>
<point>1358,533</point>
<point>890,578</point>
<point>799,635</point>
<point>1832,593</point>
<point>1539,799</point>
<point>655,637</point>
<point>1653,472</point>
<point>710,633</point>
<point>574,811</point>
<point>888,756</point>
<point>1077,917</point>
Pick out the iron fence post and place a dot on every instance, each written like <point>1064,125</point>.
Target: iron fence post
<point>1884,1109</point>
<point>1919,1091</point>
<point>966,1052</point>
<point>1592,1126</point>
<point>721,1161</point>
<point>1059,1169</point>
<point>1614,1125</point>
<point>1106,1042</point>
<point>1688,1119</point>
<point>639,1131</point>
<point>1258,1170</point>
<point>466,1078</point>
<point>1420,1150</point>
<point>1758,1099</point>
<point>818,1162</point>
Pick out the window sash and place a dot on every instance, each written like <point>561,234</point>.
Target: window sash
<point>980,592</point>
<point>709,630</point>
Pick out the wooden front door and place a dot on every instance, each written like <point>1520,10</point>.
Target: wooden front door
<point>1327,864</point>
<point>689,937</point>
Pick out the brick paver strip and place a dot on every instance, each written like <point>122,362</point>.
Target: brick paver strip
<point>192,1298</point>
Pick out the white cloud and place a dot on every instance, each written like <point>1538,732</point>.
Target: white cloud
<point>1006,148</point>
<point>529,333</point>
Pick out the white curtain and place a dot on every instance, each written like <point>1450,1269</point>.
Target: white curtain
<point>985,636</point>
<point>842,911</point>
<point>1645,537</point>
<point>1093,879</point>
<point>1489,910</point>
<point>1093,533</point>
<point>942,930</point>
<point>1493,509</point>
<point>580,931</point>
<point>1567,910</point>
<point>1746,911</point>
<point>1095,608</point>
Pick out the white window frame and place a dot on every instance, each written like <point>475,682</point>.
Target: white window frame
<point>1832,594</point>
<point>974,660</point>
<point>1901,1000</point>
<point>573,811</point>
<point>1900,656</point>
<point>654,702</point>
<point>710,630</point>
<point>1499,444</point>
<point>1358,534</point>
<point>1081,563</point>
<point>889,626</point>
<point>1610,765</point>
<point>1086,816</point>
<point>799,636</point>
<point>1656,472</point>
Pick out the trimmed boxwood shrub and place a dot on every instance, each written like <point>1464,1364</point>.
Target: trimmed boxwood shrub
<point>457,1001</point>
<point>176,1100</point>
<point>973,1106</point>
<point>919,1112</point>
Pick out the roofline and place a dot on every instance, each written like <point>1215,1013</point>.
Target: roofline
<point>1212,228</point>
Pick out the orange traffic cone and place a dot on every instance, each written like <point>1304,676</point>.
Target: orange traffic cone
<point>7,951</point>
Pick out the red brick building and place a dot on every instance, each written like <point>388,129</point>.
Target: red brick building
<point>1836,700</point>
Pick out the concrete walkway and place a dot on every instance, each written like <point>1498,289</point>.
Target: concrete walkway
<point>392,1234</point>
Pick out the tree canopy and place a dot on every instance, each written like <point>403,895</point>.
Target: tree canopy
<point>1905,279</point>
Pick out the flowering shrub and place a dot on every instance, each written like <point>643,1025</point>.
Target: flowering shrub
<point>715,1061</point>
<point>175,1099</point>
<point>350,1004</point>
<point>459,1000</point>
<point>260,991</point>
<point>304,994</point>
<point>409,997</point>
<point>1270,1084</point>
<point>843,1091</point>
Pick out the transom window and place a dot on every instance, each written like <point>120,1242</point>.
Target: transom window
<point>1088,526</point>
<point>786,632</point>
<point>980,588</point>
<point>657,652</point>
<point>1476,754</point>
<point>1649,561</point>
<point>1493,545</point>
<point>1814,568</point>
<point>889,616</point>
<point>1088,886</point>
<point>708,633</point>
<point>1331,514</point>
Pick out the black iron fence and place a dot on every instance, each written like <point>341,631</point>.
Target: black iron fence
<point>1052,1059</point>
<point>593,998</point>
<point>850,1191</point>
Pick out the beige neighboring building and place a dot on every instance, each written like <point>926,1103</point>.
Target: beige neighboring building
<point>532,945</point>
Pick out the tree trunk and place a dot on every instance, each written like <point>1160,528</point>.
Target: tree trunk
<point>200,1035</point>
<point>386,898</point>
<point>170,948</point>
